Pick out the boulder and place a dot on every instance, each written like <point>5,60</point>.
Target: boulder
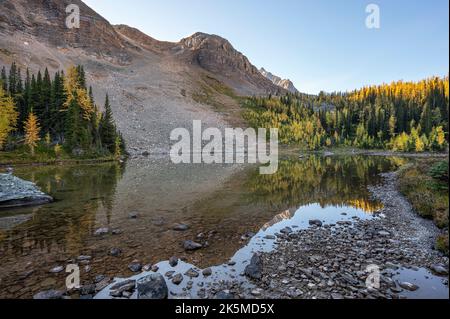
<point>254,269</point>
<point>152,287</point>
<point>16,192</point>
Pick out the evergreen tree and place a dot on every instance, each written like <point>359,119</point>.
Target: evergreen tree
<point>108,128</point>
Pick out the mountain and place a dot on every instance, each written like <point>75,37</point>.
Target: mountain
<point>285,84</point>
<point>218,56</point>
<point>154,86</point>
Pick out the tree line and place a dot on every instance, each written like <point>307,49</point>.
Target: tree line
<point>57,113</point>
<point>401,116</point>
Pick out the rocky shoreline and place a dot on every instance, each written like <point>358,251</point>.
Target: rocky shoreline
<point>334,261</point>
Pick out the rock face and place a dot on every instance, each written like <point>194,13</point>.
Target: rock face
<point>218,56</point>
<point>285,84</point>
<point>152,287</point>
<point>15,192</point>
<point>46,19</point>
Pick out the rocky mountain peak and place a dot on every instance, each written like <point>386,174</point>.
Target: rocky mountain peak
<point>283,83</point>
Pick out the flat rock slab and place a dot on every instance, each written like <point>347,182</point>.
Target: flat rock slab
<point>16,192</point>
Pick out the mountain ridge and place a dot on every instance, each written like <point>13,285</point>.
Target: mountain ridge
<point>283,83</point>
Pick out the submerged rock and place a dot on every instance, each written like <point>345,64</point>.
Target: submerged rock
<point>180,227</point>
<point>152,287</point>
<point>191,245</point>
<point>16,192</point>
<point>101,231</point>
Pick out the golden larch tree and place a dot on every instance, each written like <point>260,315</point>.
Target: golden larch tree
<point>8,116</point>
<point>32,131</point>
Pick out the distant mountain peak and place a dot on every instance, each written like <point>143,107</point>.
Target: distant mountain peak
<point>283,83</point>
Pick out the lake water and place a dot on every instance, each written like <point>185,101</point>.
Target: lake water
<point>223,206</point>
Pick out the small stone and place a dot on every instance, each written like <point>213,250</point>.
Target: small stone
<point>286,230</point>
<point>135,267</point>
<point>116,232</point>
<point>191,273</point>
<point>84,258</point>
<point>311,285</point>
<point>439,270</point>
<point>177,279</point>
<point>133,215</point>
<point>270,237</point>
<point>155,268</point>
<point>87,290</point>
<point>101,231</point>
<point>207,272</point>
<point>316,222</point>
<point>383,233</point>
<point>180,227</point>
<point>256,292</point>
<point>191,245</point>
<point>147,267</point>
<point>231,263</point>
<point>173,261</point>
<point>115,252</point>
<point>408,286</point>
<point>57,269</point>
<point>49,294</point>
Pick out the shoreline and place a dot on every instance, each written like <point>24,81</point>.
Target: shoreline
<point>330,262</point>
<point>59,162</point>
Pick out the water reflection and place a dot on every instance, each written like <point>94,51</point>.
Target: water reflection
<point>219,203</point>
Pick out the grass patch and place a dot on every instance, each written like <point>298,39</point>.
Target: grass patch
<point>425,185</point>
<point>210,89</point>
<point>21,155</point>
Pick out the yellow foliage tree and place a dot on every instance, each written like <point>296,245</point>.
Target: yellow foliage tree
<point>8,116</point>
<point>32,130</point>
<point>420,146</point>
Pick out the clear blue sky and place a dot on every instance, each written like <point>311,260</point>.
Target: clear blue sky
<point>318,44</point>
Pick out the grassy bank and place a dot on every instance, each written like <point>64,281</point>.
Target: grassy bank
<point>42,156</point>
<point>425,184</point>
